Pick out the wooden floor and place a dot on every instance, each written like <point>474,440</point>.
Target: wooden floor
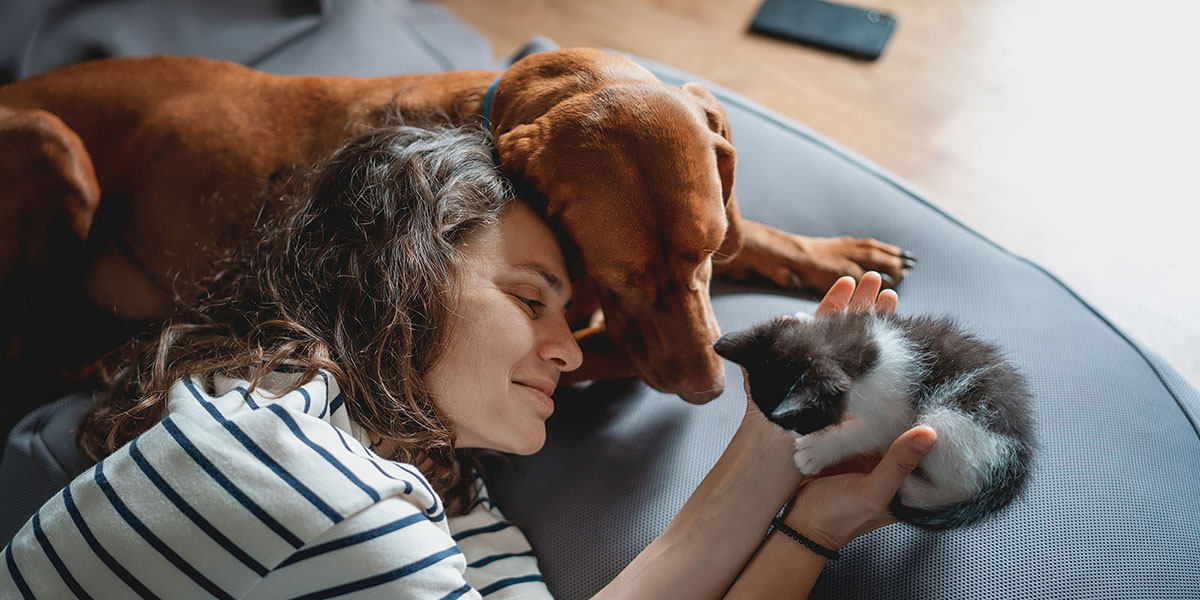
<point>1065,131</point>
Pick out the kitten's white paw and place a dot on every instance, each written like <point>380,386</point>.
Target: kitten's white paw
<point>805,463</point>
<point>807,458</point>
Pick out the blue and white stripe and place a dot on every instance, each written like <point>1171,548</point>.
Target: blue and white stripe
<point>243,495</point>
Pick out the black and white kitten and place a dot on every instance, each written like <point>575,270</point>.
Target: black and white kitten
<point>850,384</point>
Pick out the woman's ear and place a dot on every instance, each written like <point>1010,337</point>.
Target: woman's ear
<point>718,123</point>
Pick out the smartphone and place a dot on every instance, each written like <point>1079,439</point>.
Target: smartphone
<point>852,30</point>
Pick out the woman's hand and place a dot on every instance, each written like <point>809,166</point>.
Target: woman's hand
<point>865,296</point>
<point>834,509</point>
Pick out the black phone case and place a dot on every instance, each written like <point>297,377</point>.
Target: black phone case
<point>859,32</point>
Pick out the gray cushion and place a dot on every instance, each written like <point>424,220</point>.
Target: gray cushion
<point>40,457</point>
<point>344,37</point>
<point>1111,508</point>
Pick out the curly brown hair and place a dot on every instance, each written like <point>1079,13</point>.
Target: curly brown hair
<point>350,269</point>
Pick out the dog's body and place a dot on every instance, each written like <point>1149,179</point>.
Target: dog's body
<point>147,162</point>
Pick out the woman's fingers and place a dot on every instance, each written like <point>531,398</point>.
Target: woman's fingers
<point>887,303</point>
<point>837,297</point>
<point>868,288</point>
<point>901,458</point>
<point>859,297</point>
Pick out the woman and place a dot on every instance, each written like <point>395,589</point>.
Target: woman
<point>303,430</point>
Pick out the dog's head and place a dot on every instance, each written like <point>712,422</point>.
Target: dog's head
<point>639,176</point>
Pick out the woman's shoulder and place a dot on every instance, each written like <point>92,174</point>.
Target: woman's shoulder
<point>318,397</point>
<point>201,508</point>
<point>302,443</point>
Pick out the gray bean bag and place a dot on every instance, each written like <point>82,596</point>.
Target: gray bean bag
<point>1111,510</point>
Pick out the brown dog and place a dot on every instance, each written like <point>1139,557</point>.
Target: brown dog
<point>637,174</point>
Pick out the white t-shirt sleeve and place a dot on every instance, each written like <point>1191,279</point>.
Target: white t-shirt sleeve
<point>390,549</point>
<point>500,562</point>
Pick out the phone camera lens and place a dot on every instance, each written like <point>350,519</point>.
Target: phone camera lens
<point>875,16</point>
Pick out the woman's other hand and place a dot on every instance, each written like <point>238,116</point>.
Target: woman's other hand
<point>846,295</point>
<point>834,509</point>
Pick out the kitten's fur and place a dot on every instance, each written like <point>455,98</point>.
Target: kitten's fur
<point>851,384</point>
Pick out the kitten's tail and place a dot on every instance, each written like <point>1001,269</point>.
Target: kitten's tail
<point>1004,484</point>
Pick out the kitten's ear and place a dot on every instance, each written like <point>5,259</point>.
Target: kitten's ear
<point>808,408</point>
<point>791,406</point>
<point>804,411</point>
<point>836,382</point>
<point>742,347</point>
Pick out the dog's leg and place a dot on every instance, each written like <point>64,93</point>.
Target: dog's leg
<point>793,261</point>
<point>602,359</point>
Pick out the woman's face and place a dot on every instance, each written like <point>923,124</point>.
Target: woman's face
<point>507,339</point>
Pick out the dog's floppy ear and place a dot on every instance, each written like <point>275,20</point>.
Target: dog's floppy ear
<point>718,122</point>
<point>48,174</point>
<point>520,152</point>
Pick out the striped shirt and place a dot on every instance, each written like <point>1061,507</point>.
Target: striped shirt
<point>237,495</point>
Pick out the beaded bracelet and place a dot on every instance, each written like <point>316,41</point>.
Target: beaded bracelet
<point>777,523</point>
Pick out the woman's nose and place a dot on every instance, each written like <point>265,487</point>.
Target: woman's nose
<point>562,349</point>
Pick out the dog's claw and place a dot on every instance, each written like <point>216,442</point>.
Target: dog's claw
<point>887,280</point>
<point>799,262</point>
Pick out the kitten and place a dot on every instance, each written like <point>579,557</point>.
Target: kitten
<point>850,384</point>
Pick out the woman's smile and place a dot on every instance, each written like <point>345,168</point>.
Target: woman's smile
<point>542,391</point>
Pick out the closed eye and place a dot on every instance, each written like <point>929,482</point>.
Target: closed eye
<point>535,305</point>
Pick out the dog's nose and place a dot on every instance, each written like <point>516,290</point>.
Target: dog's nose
<point>696,378</point>
<point>711,389</point>
<point>701,396</point>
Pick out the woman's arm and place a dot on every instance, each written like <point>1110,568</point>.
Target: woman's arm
<point>781,568</point>
<point>837,505</point>
<point>831,511</point>
<point>704,548</point>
